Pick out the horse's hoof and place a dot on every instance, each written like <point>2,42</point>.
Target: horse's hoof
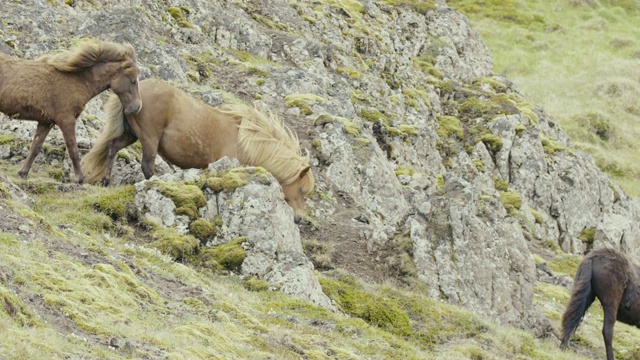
<point>23,174</point>
<point>106,182</point>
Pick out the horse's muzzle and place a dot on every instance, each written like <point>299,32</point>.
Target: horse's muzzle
<point>133,109</point>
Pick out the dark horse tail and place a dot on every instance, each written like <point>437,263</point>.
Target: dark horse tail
<point>581,298</point>
<point>94,163</point>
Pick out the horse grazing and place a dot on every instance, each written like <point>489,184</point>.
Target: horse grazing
<point>188,133</point>
<point>54,89</point>
<point>608,275</point>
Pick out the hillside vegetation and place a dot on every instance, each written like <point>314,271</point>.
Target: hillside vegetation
<point>580,61</point>
<point>77,284</point>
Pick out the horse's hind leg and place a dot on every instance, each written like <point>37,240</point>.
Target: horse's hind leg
<point>113,147</point>
<point>41,133</point>
<point>609,290</point>
<point>610,311</point>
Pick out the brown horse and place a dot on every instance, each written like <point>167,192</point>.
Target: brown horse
<point>54,89</point>
<point>191,134</point>
<point>608,275</point>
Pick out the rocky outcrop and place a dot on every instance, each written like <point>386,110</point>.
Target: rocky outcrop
<point>408,129</point>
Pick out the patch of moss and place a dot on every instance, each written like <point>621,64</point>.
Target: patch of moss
<point>500,184</point>
<point>550,147</point>
<point>479,164</point>
<point>530,114</point>
<point>227,256</point>
<point>349,127</point>
<point>227,181</point>
<point>537,216</point>
<point>202,229</point>
<point>495,85</point>
<point>449,125</point>
<point>404,170</point>
<point>512,201</point>
<point>492,141</point>
<point>353,8</point>
<point>252,283</point>
<point>187,198</point>
<point>426,64</point>
<point>374,309</point>
<point>178,14</point>
<point>7,139</point>
<point>351,73</point>
<point>439,182</point>
<point>301,101</point>
<point>114,203</point>
<point>373,116</point>
<point>260,81</point>
<point>174,244</point>
<point>413,96</point>
<point>408,130</point>
<point>315,143</point>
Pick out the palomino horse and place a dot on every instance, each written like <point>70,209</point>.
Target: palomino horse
<point>54,89</point>
<point>191,134</point>
<point>608,275</point>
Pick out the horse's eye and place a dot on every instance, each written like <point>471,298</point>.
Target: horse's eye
<point>134,81</point>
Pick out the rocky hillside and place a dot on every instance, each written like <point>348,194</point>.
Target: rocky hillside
<point>434,178</point>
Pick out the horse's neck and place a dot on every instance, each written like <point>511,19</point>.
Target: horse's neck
<point>99,76</point>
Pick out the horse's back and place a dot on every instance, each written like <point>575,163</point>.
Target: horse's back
<point>189,132</point>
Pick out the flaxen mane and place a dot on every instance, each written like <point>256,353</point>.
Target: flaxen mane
<point>89,53</point>
<point>268,141</point>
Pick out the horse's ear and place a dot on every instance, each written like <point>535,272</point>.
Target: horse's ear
<point>304,172</point>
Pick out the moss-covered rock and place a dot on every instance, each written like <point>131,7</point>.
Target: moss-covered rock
<point>6,139</point>
<point>226,181</point>
<point>202,229</point>
<point>114,203</point>
<point>187,198</point>
<point>449,125</point>
<point>492,141</point>
<point>303,102</point>
<point>512,201</point>
<point>227,256</point>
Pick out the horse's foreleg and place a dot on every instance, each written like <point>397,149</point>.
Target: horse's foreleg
<point>113,147</point>
<point>41,133</point>
<point>69,134</point>
<point>149,152</point>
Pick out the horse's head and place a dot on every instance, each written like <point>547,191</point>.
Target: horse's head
<point>295,192</point>
<point>125,85</point>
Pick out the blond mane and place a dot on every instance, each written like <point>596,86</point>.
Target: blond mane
<point>266,141</point>
<point>88,53</point>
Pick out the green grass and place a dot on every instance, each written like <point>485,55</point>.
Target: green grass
<point>574,59</point>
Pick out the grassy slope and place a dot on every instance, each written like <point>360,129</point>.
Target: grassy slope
<point>580,60</point>
<point>78,280</point>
